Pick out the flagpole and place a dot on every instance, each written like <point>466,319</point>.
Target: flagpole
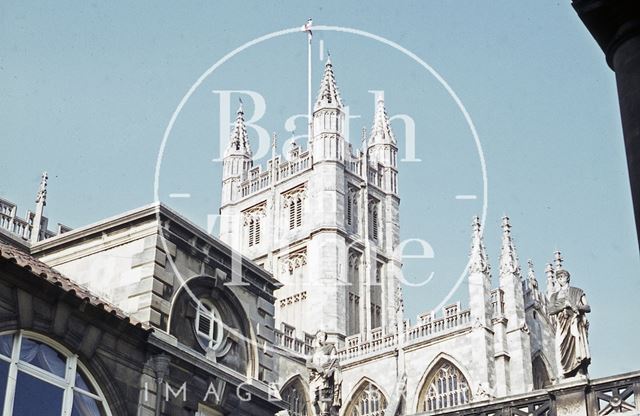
<point>309,35</point>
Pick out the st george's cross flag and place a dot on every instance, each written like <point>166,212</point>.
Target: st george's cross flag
<point>307,27</point>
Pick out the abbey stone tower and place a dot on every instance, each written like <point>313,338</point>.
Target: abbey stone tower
<point>320,332</point>
<point>325,222</point>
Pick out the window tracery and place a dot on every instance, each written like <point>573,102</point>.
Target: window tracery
<point>445,387</point>
<point>368,401</point>
<point>293,200</point>
<point>253,223</point>
<point>294,394</point>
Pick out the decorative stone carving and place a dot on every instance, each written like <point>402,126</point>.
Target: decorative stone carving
<point>482,393</point>
<point>325,377</point>
<point>294,261</point>
<point>255,212</point>
<point>569,307</point>
<point>354,260</point>
<point>298,193</point>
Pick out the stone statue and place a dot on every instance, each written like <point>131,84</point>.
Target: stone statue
<point>568,305</point>
<point>325,377</point>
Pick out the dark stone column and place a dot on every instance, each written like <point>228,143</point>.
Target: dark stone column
<point>615,25</point>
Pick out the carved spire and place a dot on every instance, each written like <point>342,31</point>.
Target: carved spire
<point>478,262</point>
<point>509,263</point>
<point>328,96</point>
<point>531,276</point>
<point>381,131</point>
<point>557,260</point>
<point>37,231</point>
<point>532,281</point>
<point>239,139</point>
<point>41,197</point>
<point>551,280</point>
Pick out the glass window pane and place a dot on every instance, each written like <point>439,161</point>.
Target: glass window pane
<point>36,397</point>
<point>4,373</point>
<point>6,344</point>
<point>83,383</point>
<point>85,406</point>
<point>43,356</point>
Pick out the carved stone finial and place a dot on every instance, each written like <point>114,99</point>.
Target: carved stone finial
<point>509,263</point>
<point>551,280</point>
<point>329,95</point>
<point>557,260</point>
<point>239,138</point>
<point>478,262</point>
<point>41,197</point>
<point>531,277</point>
<point>381,131</point>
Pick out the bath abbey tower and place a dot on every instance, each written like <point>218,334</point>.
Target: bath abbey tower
<point>296,309</point>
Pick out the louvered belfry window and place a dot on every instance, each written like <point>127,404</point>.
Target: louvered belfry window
<point>254,232</point>
<point>295,212</point>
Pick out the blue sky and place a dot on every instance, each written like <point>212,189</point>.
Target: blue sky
<point>87,90</point>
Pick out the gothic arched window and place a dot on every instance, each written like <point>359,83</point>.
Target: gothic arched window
<point>368,401</point>
<point>445,387</point>
<point>254,231</point>
<point>252,223</point>
<point>352,209</point>
<point>293,201</point>
<point>374,222</point>
<point>540,373</point>
<point>295,212</point>
<point>294,394</point>
<point>37,378</point>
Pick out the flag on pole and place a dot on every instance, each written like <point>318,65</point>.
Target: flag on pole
<point>307,27</point>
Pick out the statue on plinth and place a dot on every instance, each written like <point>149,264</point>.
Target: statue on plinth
<point>568,305</point>
<point>325,377</point>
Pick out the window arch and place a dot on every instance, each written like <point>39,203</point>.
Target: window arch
<point>37,377</point>
<point>208,325</point>
<point>445,387</point>
<point>253,222</point>
<point>540,374</point>
<point>367,401</point>
<point>352,209</point>
<point>295,212</point>
<point>374,219</point>
<point>293,201</point>
<point>295,395</point>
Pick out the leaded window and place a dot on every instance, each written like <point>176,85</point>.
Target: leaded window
<point>445,387</point>
<point>37,378</point>
<point>295,396</point>
<point>368,401</point>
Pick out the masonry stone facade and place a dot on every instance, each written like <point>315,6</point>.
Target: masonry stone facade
<point>325,222</point>
<point>157,317</point>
